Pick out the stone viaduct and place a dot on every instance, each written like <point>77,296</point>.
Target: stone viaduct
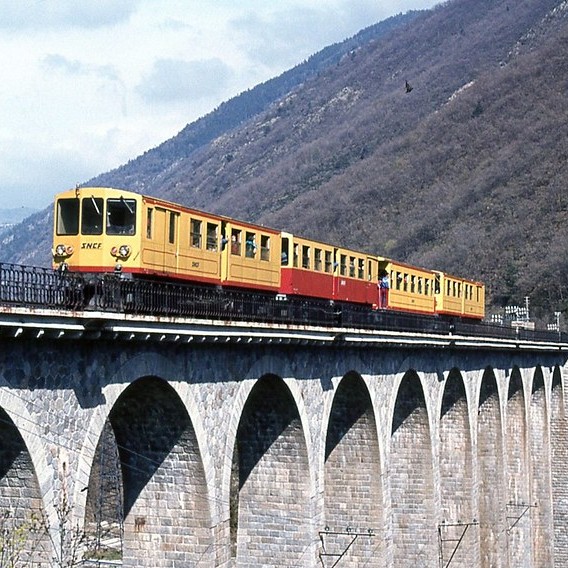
<point>250,446</point>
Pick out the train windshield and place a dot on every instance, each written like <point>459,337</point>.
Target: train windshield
<point>92,216</point>
<point>121,216</point>
<point>68,216</point>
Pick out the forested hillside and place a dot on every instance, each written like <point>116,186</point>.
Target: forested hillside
<point>464,172</point>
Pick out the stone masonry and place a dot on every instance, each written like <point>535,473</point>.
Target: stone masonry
<point>267,454</point>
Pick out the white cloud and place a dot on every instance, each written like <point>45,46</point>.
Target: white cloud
<point>174,79</point>
<point>63,14</point>
<point>87,85</point>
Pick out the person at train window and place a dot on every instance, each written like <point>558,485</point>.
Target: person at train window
<point>235,246</point>
<point>384,286</point>
<point>250,246</point>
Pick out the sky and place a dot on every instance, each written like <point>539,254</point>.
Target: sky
<point>87,85</point>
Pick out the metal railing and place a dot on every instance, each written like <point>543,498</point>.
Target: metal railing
<point>36,287</point>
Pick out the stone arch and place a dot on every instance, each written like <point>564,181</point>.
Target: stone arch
<point>518,473</point>
<point>353,501</point>
<point>559,459</point>
<point>24,524</point>
<point>165,491</point>
<point>542,529</point>
<point>270,483</point>
<point>411,478</point>
<point>458,533</point>
<point>492,527</point>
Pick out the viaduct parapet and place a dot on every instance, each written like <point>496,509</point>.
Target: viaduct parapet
<point>262,446</point>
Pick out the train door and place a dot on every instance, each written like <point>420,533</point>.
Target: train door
<point>167,241</point>
<point>336,277</point>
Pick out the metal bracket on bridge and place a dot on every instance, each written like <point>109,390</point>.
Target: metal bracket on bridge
<point>459,527</point>
<point>350,533</point>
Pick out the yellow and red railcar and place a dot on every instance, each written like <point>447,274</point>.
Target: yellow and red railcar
<point>459,297</point>
<point>108,230</point>
<point>410,289</point>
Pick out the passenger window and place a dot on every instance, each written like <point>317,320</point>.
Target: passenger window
<point>250,249</point>
<point>419,290</point>
<point>195,233</point>
<point>361,269</point>
<point>295,259</point>
<point>352,267</point>
<point>264,247</point>
<point>121,216</point>
<point>284,252</point>
<point>413,284</point>
<point>305,256</point>
<point>149,223</point>
<point>92,216</point>
<point>172,228</point>
<point>328,262</point>
<point>68,216</point>
<point>236,242</point>
<point>405,283</point>
<point>317,260</point>
<point>343,265</point>
<point>211,243</point>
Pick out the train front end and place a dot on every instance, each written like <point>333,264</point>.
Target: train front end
<point>96,230</point>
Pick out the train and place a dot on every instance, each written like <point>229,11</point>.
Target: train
<point>109,231</point>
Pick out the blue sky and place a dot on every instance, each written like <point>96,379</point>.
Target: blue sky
<point>87,86</point>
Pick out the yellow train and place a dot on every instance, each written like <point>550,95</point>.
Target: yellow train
<point>105,230</point>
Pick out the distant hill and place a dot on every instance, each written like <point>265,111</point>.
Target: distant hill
<point>10,217</point>
<point>466,172</point>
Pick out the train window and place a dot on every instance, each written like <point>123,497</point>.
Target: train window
<point>211,243</point>
<point>419,289</point>
<point>195,233</point>
<point>305,256</point>
<point>317,260</point>
<point>250,245</point>
<point>437,284</point>
<point>121,216</point>
<point>328,262</point>
<point>236,242</point>
<point>68,216</point>
<point>405,282</point>
<point>172,228</point>
<point>413,284</point>
<point>264,247</point>
<point>360,268</point>
<point>149,223</point>
<point>92,216</point>
<point>352,267</point>
<point>398,281</point>
<point>284,252</point>
<point>448,287</point>
<point>343,265</point>
<point>427,287</point>
<point>295,259</point>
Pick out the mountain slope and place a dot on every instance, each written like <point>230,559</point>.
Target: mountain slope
<point>464,173</point>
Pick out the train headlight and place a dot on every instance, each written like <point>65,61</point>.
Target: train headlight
<point>123,251</point>
<point>63,250</point>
